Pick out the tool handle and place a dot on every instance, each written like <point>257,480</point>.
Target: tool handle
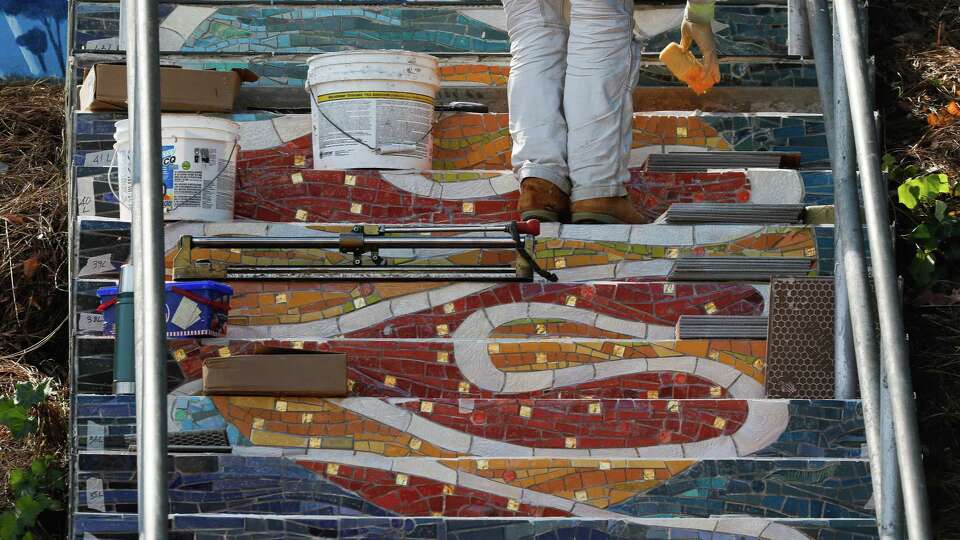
<point>531,227</point>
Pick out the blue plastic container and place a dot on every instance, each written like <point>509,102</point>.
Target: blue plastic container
<point>194,308</point>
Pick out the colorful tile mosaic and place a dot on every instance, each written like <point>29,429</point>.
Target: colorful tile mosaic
<point>494,487</point>
<point>741,30</point>
<point>277,194</point>
<point>577,253</point>
<point>259,527</point>
<point>395,427</point>
<point>482,141</point>
<point>432,368</point>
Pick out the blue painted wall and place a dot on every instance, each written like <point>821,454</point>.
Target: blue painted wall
<point>33,38</point>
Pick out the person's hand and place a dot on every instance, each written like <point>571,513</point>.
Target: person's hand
<point>702,34</point>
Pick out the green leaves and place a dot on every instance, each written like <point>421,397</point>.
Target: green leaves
<point>27,395</point>
<point>16,418</point>
<point>922,189</point>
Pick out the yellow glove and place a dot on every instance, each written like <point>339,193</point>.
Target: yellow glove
<point>697,28</point>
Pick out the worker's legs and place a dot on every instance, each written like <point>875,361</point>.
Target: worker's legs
<point>538,45</point>
<point>602,68</point>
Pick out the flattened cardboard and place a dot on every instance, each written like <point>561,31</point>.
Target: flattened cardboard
<point>181,90</point>
<point>306,375</point>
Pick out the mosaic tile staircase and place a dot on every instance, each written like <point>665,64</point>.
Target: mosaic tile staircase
<point>479,411</point>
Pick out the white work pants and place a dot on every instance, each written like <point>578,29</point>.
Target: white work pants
<point>573,69</point>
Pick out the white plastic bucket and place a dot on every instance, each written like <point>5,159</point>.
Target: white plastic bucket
<point>384,99</point>
<point>199,157</point>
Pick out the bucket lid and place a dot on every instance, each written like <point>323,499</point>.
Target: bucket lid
<point>184,285</point>
<point>190,121</point>
<point>393,56</point>
<point>374,65</point>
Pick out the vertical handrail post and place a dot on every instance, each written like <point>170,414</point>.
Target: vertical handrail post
<point>149,290</point>
<point>892,334</point>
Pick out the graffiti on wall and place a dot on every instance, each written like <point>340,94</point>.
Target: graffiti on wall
<point>32,38</point>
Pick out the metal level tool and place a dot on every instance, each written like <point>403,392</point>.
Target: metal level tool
<point>364,243</point>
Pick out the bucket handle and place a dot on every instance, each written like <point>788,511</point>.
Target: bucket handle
<point>113,158</point>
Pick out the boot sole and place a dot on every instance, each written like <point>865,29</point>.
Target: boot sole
<point>544,216</point>
<point>586,218</point>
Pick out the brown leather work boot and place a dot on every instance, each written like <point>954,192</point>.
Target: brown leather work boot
<point>607,210</point>
<point>540,199</point>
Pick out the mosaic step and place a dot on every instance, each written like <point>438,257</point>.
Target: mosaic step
<point>545,368</point>
<point>357,484</point>
<point>482,141</point>
<point>747,84</point>
<point>752,30</point>
<point>89,526</point>
<point>284,193</point>
<point>447,428</point>
<point>577,253</point>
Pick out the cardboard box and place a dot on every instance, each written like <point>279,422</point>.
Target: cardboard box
<point>181,90</point>
<point>306,375</point>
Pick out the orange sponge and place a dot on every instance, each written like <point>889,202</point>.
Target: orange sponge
<point>686,67</point>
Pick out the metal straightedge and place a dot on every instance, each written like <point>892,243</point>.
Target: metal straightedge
<point>364,243</point>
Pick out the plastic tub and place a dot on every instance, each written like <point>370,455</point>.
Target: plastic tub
<point>193,308</point>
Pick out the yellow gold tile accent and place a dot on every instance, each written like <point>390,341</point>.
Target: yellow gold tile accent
<point>359,302</point>
<point>258,423</point>
<point>296,178</point>
<point>333,468</point>
<point>223,352</point>
<point>673,406</point>
<point>179,355</point>
<point>681,131</point>
<point>415,443</point>
<point>298,345</point>
<point>463,387</point>
<point>526,411</point>
<point>306,418</point>
<point>301,215</point>
<point>436,514</point>
<point>710,308</point>
<point>580,495</point>
<point>443,329</point>
<point>604,465</point>
<point>493,348</point>
<point>402,479</point>
<point>349,180</point>
<point>513,505</point>
<point>350,384</point>
<point>560,263</point>
<point>810,252</point>
<point>443,357</point>
<point>448,489</point>
<point>390,380</point>
<point>570,442</point>
<point>571,301</point>
<point>469,208</point>
<point>653,394</point>
<point>541,357</point>
<point>356,208</point>
<point>449,308</point>
<point>541,329</point>
<point>595,408</point>
<point>280,406</point>
<point>280,298</point>
<point>758,363</point>
<point>719,422</point>
<point>299,160</point>
<point>426,406</point>
<point>716,391</point>
<point>315,442</point>
<point>482,465</point>
<point>714,355</point>
<point>669,288</point>
<point>619,351</point>
<point>649,474</point>
<point>672,253</point>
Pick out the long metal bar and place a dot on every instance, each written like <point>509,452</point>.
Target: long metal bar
<point>890,514</point>
<point>821,40</point>
<point>853,256</point>
<point>373,242</point>
<point>150,297</point>
<point>798,36</point>
<point>897,360</point>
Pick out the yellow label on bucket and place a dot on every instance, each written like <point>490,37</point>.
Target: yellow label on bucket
<point>409,96</point>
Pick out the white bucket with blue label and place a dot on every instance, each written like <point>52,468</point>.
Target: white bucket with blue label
<point>199,160</point>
